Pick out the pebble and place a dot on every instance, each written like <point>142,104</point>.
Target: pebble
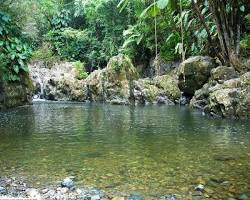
<point>200,187</point>
<point>118,198</point>
<point>45,190</point>
<point>64,190</point>
<point>33,193</point>
<point>78,191</point>
<point>197,198</point>
<point>96,197</point>
<point>135,197</point>
<point>171,197</point>
<point>68,183</point>
<point>2,190</point>
<point>243,197</point>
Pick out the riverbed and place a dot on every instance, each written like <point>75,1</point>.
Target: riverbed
<point>151,150</point>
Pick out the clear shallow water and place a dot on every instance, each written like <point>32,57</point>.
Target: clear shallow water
<point>153,149</point>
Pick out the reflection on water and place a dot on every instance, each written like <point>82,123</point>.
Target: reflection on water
<point>152,149</point>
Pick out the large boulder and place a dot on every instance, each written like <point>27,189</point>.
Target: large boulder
<point>159,66</point>
<point>230,99</point>
<point>194,73</point>
<point>223,73</point>
<point>13,94</point>
<point>160,89</point>
<point>118,83</point>
<point>113,84</point>
<point>59,82</point>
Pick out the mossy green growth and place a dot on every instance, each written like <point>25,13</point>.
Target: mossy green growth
<point>122,68</point>
<point>80,70</point>
<point>245,79</point>
<point>169,85</point>
<point>45,54</point>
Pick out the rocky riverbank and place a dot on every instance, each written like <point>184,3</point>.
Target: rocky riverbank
<point>118,83</point>
<point>216,90</point>
<point>68,190</point>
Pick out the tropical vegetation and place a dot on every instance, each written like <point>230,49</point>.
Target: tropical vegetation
<point>91,32</point>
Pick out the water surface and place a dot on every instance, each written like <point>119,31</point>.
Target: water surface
<point>153,150</point>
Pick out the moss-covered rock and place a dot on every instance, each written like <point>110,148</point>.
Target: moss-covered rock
<point>113,84</point>
<point>169,85</point>
<point>231,99</point>
<point>13,94</point>
<point>245,79</point>
<point>58,82</point>
<point>157,90</point>
<point>194,73</point>
<point>223,73</point>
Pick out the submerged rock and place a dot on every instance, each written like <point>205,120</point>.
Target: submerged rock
<point>171,197</point>
<point>200,187</point>
<point>2,190</point>
<point>68,183</point>
<point>135,197</point>
<point>243,197</point>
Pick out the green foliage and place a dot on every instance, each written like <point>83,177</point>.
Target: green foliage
<point>14,53</point>
<point>94,31</point>
<point>61,20</point>
<point>80,70</point>
<point>45,54</point>
<point>93,36</point>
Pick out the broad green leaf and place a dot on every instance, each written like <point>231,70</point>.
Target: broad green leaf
<point>242,8</point>
<point>162,3</point>
<point>122,5</point>
<point>148,9</point>
<point>25,68</point>
<point>16,68</point>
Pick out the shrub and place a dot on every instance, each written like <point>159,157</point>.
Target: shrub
<point>14,53</point>
<point>80,70</point>
<point>45,54</point>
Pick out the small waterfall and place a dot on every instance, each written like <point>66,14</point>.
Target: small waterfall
<point>41,89</point>
<point>39,94</point>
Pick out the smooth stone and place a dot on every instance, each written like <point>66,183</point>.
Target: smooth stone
<point>2,190</point>
<point>171,197</point>
<point>78,191</point>
<point>243,197</point>
<point>135,197</point>
<point>197,198</point>
<point>118,198</point>
<point>45,190</point>
<point>33,193</point>
<point>96,197</point>
<point>68,183</point>
<point>64,190</point>
<point>200,187</point>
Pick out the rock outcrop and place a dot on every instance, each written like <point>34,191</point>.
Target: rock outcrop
<point>118,83</point>
<point>225,98</point>
<point>194,73</point>
<point>58,82</point>
<point>113,84</point>
<point>160,89</point>
<point>13,94</point>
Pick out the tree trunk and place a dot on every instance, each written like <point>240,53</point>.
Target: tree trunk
<point>228,27</point>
